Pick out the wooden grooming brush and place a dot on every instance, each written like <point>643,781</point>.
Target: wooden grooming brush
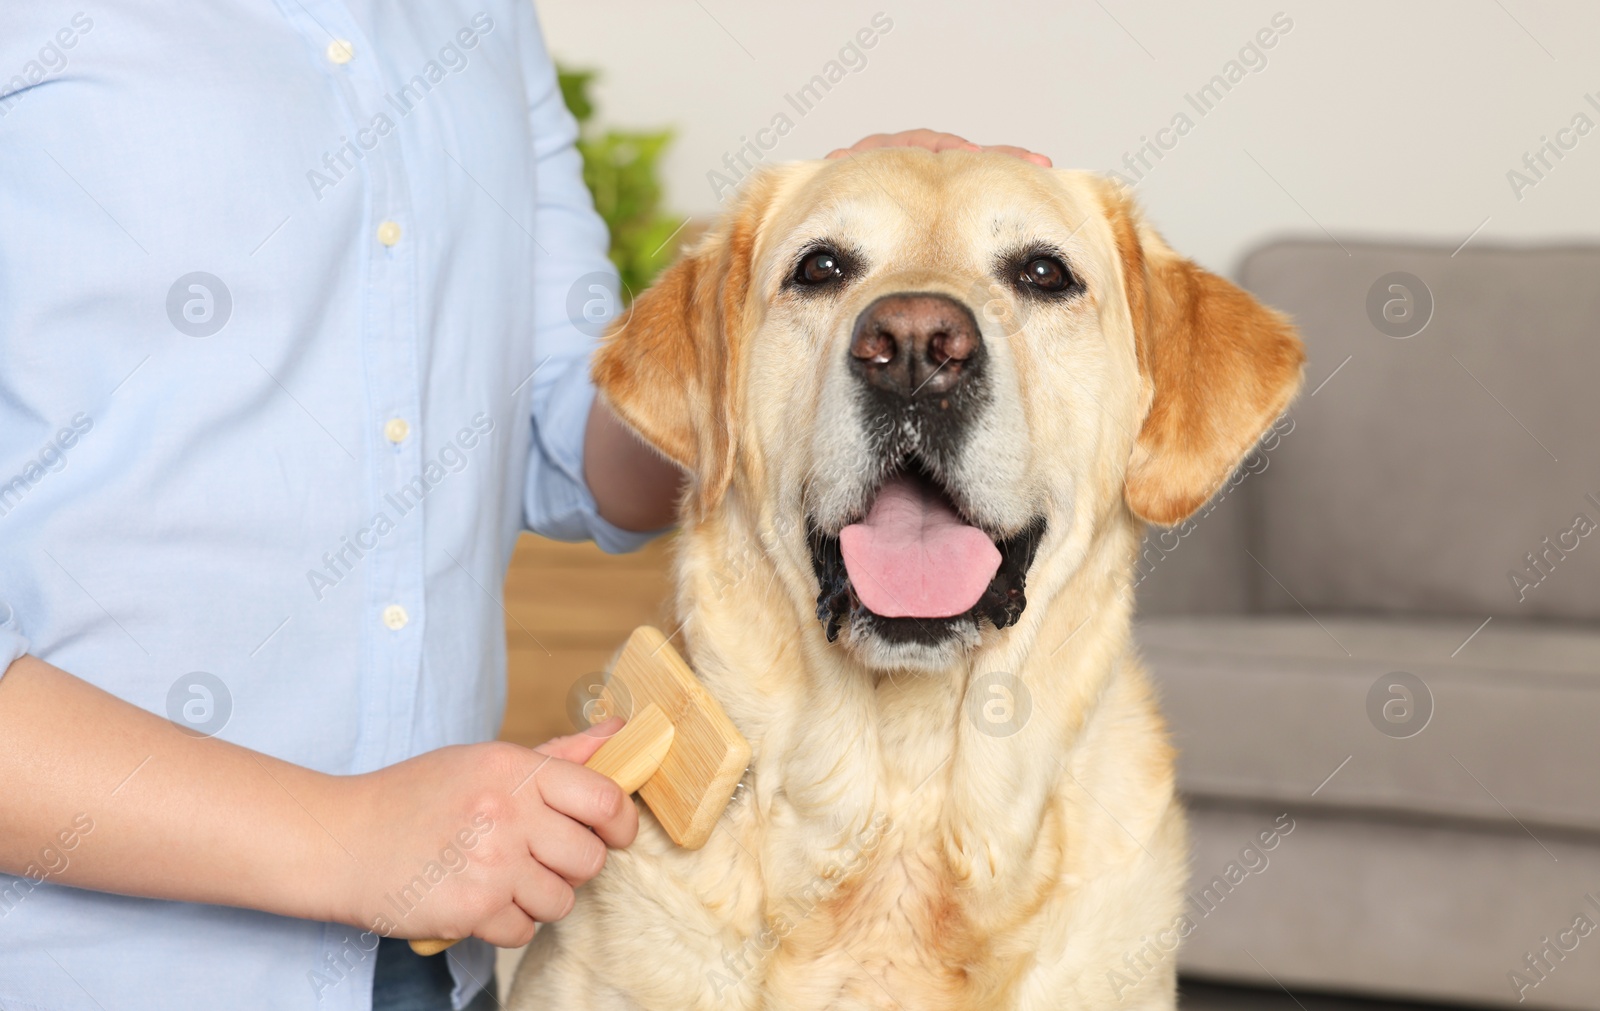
<point>679,750</point>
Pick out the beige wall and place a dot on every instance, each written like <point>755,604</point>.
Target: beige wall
<point>1378,118</point>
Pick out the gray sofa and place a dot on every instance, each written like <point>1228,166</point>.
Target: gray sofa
<point>1318,638</point>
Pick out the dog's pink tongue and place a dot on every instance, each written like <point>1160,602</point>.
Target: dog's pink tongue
<point>913,557</point>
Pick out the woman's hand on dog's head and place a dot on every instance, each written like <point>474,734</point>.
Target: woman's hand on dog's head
<point>935,140</point>
<point>482,840</point>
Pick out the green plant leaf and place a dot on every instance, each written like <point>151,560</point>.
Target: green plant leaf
<point>622,170</point>
<point>575,92</point>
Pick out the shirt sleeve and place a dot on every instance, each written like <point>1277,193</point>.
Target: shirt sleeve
<point>570,256</point>
<point>12,642</point>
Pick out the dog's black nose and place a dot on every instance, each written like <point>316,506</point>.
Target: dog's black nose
<point>915,344</point>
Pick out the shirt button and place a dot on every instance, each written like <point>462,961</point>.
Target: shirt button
<point>389,233</point>
<point>396,430</point>
<point>395,617</point>
<point>340,51</point>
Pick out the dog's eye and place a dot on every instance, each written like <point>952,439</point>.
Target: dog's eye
<point>1046,273</point>
<point>819,267</point>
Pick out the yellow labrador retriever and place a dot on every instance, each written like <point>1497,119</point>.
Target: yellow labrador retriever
<point>928,403</point>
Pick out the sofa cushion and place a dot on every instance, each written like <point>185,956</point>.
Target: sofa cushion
<point>1425,472</point>
<point>1267,708</point>
<point>1345,902</point>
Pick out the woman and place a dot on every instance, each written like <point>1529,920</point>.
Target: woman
<point>287,362</point>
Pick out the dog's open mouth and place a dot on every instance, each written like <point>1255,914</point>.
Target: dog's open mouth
<point>912,568</point>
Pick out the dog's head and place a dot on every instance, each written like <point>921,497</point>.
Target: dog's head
<point>923,374</point>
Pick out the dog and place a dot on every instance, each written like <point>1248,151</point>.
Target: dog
<point>927,403</point>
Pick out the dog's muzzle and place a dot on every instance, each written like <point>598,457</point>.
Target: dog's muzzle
<point>913,567</point>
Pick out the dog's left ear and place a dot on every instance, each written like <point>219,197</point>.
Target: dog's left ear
<point>1217,368</point>
<point>668,369</point>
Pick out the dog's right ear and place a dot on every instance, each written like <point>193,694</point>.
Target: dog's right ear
<point>669,368</point>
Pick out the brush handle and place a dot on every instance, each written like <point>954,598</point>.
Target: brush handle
<point>636,751</point>
<point>628,759</point>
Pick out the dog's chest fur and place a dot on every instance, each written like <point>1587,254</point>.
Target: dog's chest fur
<point>882,853</point>
<point>900,907</point>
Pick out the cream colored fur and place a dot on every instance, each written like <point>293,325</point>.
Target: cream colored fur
<point>888,849</point>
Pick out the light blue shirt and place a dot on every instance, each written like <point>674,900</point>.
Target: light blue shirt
<point>296,300</point>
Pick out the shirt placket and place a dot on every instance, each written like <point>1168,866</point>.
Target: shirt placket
<point>393,613</point>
